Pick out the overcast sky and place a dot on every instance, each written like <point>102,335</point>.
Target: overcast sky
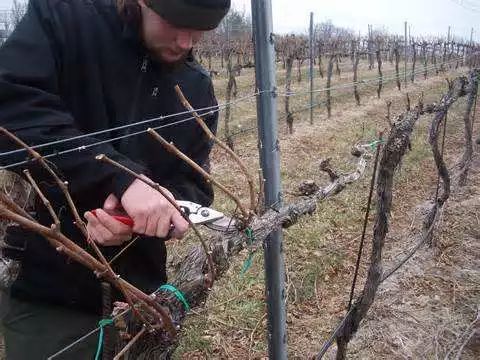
<point>426,17</point>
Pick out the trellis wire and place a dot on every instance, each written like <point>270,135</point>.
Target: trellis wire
<point>320,103</point>
<point>143,122</point>
<point>217,109</point>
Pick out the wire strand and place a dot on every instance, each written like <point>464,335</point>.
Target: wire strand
<point>365,224</point>
<point>85,147</point>
<point>320,103</point>
<point>86,336</point>
<point>390,75</point>
<point>143,122</point>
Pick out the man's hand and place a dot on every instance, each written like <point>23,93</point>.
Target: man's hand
<point>152,214</point>
<point>106,230</point>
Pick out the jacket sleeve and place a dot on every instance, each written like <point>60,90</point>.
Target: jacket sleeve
<point>32,108</point>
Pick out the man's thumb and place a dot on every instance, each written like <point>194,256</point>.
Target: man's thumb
<point>111,203</point>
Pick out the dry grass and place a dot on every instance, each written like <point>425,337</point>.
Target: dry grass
<point>420,313</point>
<point>436,296</point>
<point>320,249</point>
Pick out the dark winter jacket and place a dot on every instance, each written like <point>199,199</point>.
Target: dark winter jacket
<point>73,67</point>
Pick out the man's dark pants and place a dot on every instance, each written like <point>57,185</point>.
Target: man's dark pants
<point>34,331</point>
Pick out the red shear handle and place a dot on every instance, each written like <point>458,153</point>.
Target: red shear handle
<point>124,219</point>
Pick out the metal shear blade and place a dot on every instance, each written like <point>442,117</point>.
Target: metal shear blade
<point>199,214</point>
<point>211,218</point>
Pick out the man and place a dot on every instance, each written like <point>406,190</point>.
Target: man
<point>72,68</point>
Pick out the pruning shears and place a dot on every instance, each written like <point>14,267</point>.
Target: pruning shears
<point>198,215</point>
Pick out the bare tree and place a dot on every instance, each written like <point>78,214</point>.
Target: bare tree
<point>329,84</point>
<point>4,26</point>
<point>356,56</point>
<point>425,59</point>
<point>396,53</point>
<point>231,90</point>
<point>320,66</point>
<point>380,73</point>
<point>414,61</point>
<point>18,10</point>
<point>288,85</point>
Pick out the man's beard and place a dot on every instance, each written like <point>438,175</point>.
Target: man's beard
<point>164,60</point>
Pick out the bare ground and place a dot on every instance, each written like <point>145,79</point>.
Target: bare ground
<point>430,307</point>
<point>420,312</point>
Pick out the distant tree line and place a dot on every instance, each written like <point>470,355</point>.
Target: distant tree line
<point>9,19</point>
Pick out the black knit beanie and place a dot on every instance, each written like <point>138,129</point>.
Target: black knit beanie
<point>192,14</point>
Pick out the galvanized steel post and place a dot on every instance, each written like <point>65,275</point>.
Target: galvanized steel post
<point>270,162</point>
<point>312,55</point>
<point>406,54</point>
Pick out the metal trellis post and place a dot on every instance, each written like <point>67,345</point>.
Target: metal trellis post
<point>406,53</point>
<point>311,67</point>
<point>270,162</point>
<point>469,50</point>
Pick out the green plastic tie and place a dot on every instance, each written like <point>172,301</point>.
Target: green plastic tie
<point>373,145</point>
<point>178,294</point>
<point>247,264</point>
<point>102,323</point>
<point>250,240</point>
